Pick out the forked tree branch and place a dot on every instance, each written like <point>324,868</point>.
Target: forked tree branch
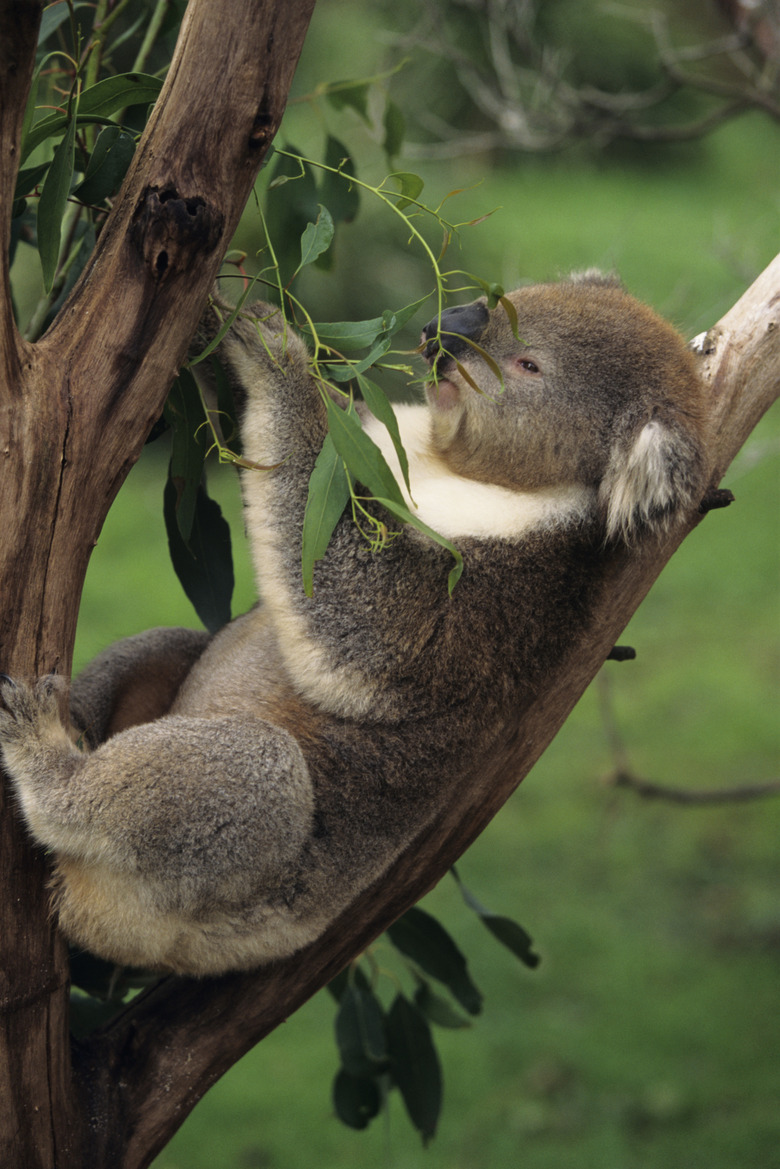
<point>165,1051</point>
<point>75,409</point>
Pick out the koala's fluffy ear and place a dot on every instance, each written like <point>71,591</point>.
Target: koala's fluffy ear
<point>652,475</point>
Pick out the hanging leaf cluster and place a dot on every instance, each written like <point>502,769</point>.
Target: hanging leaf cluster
<point>381,1048</point>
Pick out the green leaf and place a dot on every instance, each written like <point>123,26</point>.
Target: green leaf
<point>27,180</point>
<point>514,937</point>
<point>350,93</point>
<point>347,336</point>
<point>421,938</point>
<point>394,125</point>
<point>341,197</point>
<point>204,565</point>
<point>437,1009</point>
<point>364,460</point>
<point>415,1065</point>
<point>409,185</point>
<point>349,975</point>
<point>52,203</point>
<point>107,165</point>
<point>360,1032</point>
<point>380,407</point>
<point>53,16</point>
<point>507,931</point>
<point>184,414</point>
<point>347,371</point>
<point>97,104</point>
<point>317,237</point>
<point>328,495</point>
<point>356,1099</point>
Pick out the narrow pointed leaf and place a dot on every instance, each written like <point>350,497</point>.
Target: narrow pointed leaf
<point>379,405</point>
<point>341,197</point>
<point>328,495</point>
<point>107,166</point>
<point>184,414</point>
<point>353,94</point>
<point>360,1032</point>
<point>204,565</point>
<point>97,104</point>
<point>364,460</point>
<point>394,126</point>
<point>437,1009</point>
<point>421,938</point>
<point>508,932</point>
<point>356,1099</point>
<point>415,1065</point>
<point>52,203</point>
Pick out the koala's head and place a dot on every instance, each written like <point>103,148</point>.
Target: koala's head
<point>591,388</point>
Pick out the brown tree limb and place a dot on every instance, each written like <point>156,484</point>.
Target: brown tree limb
<point>74,412</point>
<point>692,797</point>
<point>163,1053</point>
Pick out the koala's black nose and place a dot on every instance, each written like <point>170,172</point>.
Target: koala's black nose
<point>465,320</point>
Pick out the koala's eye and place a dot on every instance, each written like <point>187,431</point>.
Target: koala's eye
<point>527,365</point>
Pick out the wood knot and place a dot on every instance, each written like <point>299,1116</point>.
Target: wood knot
<point>170,230</point>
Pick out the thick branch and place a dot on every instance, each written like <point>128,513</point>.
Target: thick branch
<point>185,1034</point>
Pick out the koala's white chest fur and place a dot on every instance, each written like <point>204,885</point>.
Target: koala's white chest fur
<point>458,507</point>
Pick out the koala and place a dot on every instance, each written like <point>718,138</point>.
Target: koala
<point>231,795</point>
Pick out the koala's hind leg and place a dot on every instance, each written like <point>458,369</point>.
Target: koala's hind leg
<point>173,826</point>
<point>133,681</point>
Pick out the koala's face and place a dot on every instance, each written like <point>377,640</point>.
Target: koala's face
<point>555,400</point>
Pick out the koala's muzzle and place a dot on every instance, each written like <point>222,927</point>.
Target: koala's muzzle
<point>459,325</point>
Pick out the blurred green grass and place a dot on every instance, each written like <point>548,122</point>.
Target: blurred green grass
<point>649,1035</point>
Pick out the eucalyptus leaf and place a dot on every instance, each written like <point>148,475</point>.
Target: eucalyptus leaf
<point>353,94</point>
<point>340,196</point>
<point>507,931</point>
<point>420,937</point>
<point>364,460</point>
<point>317,237</point>
<point>356,1099</point>
<point>204,564</point>
<point>409,185</point>
<point>394,126</point>
<point>184,414</point>
<point>360,1032</point>
<point>52,203</point>
<point>97,104</point>
<point>328,496</point>
<point>345,372</point>
<point>379,405</point>
<point>437,1009</point>
<point>415,1065</point>
<point>108,163</point>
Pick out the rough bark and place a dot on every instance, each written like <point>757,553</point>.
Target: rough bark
<point>74,412</point>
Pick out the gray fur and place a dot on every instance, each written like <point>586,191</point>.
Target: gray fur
<point>241,791</point>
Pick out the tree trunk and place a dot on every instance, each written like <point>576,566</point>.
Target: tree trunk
<point>75,410</point>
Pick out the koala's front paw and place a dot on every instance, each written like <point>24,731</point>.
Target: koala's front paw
<point>28,710</point>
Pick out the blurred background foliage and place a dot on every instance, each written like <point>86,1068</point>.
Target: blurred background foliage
<point>649,1034</point>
